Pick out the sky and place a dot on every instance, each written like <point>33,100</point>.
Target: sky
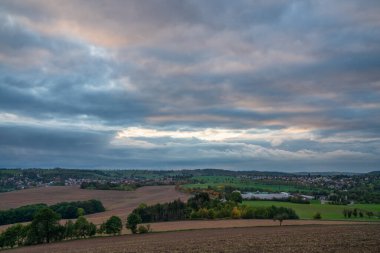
<point>167,84</point>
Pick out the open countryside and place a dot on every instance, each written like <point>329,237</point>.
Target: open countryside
<point>169,201</point>
<point>189,126</point>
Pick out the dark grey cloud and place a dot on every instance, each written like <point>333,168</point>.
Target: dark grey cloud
<point>145,84</point>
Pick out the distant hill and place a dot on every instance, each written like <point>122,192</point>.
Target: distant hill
<point>109,174</point>
<point>327,173</point>
<point>220,172</point>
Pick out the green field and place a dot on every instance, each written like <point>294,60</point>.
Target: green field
<point>221,181</point>
<point>328,212</point>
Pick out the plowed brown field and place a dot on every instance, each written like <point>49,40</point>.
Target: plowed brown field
<point>116,202</point>
<point>308,238</point>
<point>201,224</point>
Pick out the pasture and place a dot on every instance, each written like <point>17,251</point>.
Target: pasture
<point>328,212</point>
<point>221,181</point>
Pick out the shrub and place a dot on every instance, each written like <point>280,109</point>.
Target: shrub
<point>144,229</point>
<point>203,213</point>
<point>261,213</point>
<point>235,213</point>
<point>223,212</point>
<point>248,213</point>
<point>211,214</point>
<point>317,216</point>
<point>194,215</point>
<point>113,225</point>
<point>132,221</point>
<point>370,214</point>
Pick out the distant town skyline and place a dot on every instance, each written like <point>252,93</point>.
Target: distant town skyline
<point>242,85</point>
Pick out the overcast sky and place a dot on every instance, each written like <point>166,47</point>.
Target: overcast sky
<point>168,84</point>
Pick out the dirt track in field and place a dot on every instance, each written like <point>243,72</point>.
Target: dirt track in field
<point>308,238</point>
<point>116,202</point>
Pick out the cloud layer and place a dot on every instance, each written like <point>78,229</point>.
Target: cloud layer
<point>266,85</point>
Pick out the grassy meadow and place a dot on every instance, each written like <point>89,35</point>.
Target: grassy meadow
<point>328,212</point>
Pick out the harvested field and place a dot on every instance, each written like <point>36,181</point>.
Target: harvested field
<point>308,238</point>
<point>201,224</point>
<point>116,202</point>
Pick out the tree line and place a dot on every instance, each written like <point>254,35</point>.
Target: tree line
<point>201,206</point>
<point>355,213</point>
<point>66,210</point>
<point>108,186</point>
<point>46,228</point>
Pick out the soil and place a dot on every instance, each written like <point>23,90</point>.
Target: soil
<point>308,238</point>
<point>201,224</point>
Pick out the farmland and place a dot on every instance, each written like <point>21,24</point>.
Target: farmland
<point>116,202</point>
<point>328,211</point>
<point>192,215</point>
<point>234,223</point>
<point>337,188</point>
<point>311,238</point>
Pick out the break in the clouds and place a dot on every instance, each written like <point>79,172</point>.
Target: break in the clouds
<point>167,84</point>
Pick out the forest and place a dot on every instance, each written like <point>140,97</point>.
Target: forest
<point>201,206</point>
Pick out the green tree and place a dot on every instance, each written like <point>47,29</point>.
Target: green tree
<point>44,226</point>
<point>2,240</point>
<point>113,225</point>
<point>13,235</point>
<point>200,200</point>
<point>81,227</point>
<point>80,212</point>
<point>91,231</point>
<point>236,197</point>
<point>281,217</point>
<point>132,221</point>
<point>102,228</point>
<point>69,229</point>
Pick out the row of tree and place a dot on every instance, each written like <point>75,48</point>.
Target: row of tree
<point>67,210</point>
<point>348,213</point>
<point>108,186</point>
<point>45,228</point>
